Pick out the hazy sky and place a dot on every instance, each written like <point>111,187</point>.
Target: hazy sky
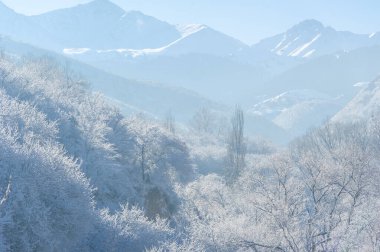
<point>247,20</point>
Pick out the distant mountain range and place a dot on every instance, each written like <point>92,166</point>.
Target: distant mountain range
<point>103,27</point>
<point>162,59</point>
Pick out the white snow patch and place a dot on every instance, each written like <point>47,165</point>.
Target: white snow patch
<point>309,53</point>
<point>71,51</point>
<point>139,52</point>
<point>280,50</point>
<point>300,49</point>
<point>279,44</point>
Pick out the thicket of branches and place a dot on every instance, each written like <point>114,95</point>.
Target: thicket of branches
<point>320,194</point>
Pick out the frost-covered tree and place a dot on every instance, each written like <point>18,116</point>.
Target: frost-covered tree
<point>130,230</point>
<point>204,121</point>
<point>337,163</point>
<point>169,123</point>
<point>162,161</point>
<point>236,146</point>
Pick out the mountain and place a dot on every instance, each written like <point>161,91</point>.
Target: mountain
<point>136,46</point>
<point>104,27</point>
<point>130,95</point>
<point>363,106</point>
<point>21,28</point>
<point>310,39</point>
<point>107,29</point>
<point>101,24</point>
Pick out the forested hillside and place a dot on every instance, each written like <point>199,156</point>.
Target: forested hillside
<point>74,171</point>
<point>76,175</point>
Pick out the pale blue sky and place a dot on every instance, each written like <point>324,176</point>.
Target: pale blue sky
<point>247,20</point>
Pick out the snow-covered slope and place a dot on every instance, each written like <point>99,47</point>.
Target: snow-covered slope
<point>363,106</point>
<point>311,38</point>
<point>101,24</point>
<point>298,110</point>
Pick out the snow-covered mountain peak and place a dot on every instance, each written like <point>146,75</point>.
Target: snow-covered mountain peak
<point>298,41</point>
<point>310,39</point>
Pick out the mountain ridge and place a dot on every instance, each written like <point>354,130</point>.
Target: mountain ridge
<point>104,25</point>
<point>310,38</point>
